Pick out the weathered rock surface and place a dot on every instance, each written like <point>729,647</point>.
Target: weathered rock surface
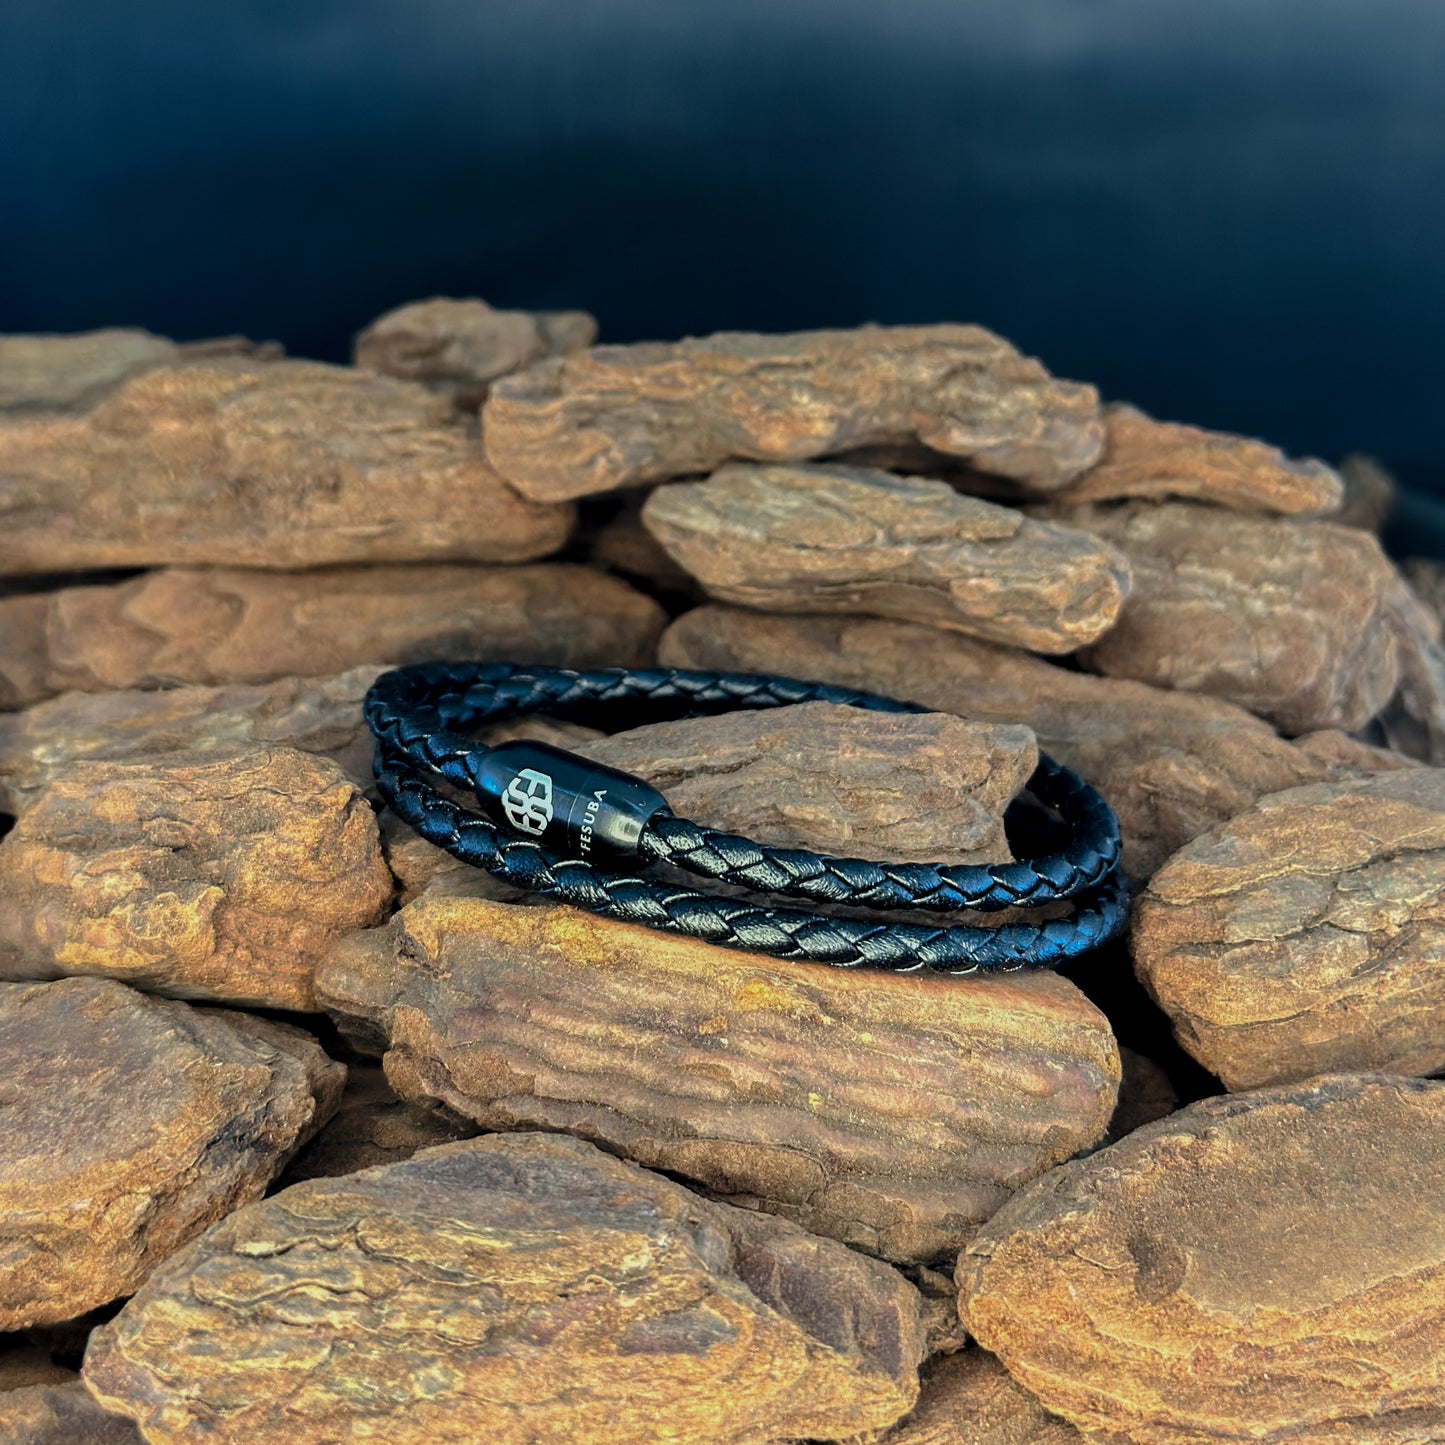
<point>901,787</point>
<point>1370,493</point>
<point>1171,764</point>
<point>132,1123</point>
<point>60,1415</point>
<point>617,416</point>
<point>371,1126</point>
<point>1306,934</point>
<point>614,539</point>
<point>220,876</point>
<point>516,1288</point>
<point>891,1111</point>
<point>1155,459</point>
<point>1414,721</point>
<point>233,625</point>
<point>459,347</point>
<point>1426,576</point>
<point>1259,1267</point>
<point>849,539</point>
<point>1288,618</point>
<point>317,715</point>
<point>262,464</point>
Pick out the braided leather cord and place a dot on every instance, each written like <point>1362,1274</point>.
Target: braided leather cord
<point>417,713</point>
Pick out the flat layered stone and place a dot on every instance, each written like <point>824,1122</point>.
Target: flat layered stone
<point>1305,935</point>
<point>619,416</point>
<point>264,464</point>
<point>60,1415</point>
<point>1157,460</point>
<point>457,347</point>
<point>131,1124</point>
<point>223,625</point>
<point>850,539</point>
<point>1286,617</point>
<point>1171,764</point>
<point>891,1111</point>
<point>523,1289</point>
<point>319,715</point>
<point>1264,1267</point>
<point>221,876</point>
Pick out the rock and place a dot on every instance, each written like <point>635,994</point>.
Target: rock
<point>24,1364</point>
<point>1305,935</point>
<point>1414,721</point>
<point>618,416</point>
<point>371,1126</point>
<point>1172,764</point>
<point>1157,460</point>
<point>317,715</point>
<point>184,625</point>
<point>222,876</point>
<point>1288,618</point>
<point>1426,579</point>
<point>60,1415</point>
<point>70,373</point>
<point>132,1123</point>
<point>1370,493</point>
<point>1146,1093</point>
<point>891,1111</point>
<point>899,787</point>
<point>847,539</point>
<point>1265,1267</point>
<point>1345,757</point>
<point>514,1288</point>
<point>457,348</point>
<point>970,1399</point>
<point>263,464</point>
<point>614,540</point>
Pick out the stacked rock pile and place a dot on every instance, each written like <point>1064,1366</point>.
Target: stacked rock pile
<point>310,1134</point>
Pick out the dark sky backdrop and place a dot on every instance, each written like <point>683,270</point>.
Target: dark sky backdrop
<point>1231,212</point>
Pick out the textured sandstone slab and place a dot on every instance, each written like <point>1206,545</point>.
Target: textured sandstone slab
<point>617,416</point>
<point>891,1111</point>
<point>521,1289</point>
<point>614,539</point>
<point>1306,934</point>
<point>371,1126</point>
<point>1370,493</point>
<point>131,1124</point>
<point>1171,764</point>
<point>60,1415</point>
<point>234,625</point>
<point>1157,460</point>
<point>458,347</point>
<point>1257,1267</point>
<point>319,715</point>
<point>222,876</point>
<point>850,539</point>
<point>1288,618</point>
<point>900,787</point>
<point>262,464</point>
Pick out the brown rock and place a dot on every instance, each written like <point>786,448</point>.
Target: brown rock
<point>371,1126</point>
<point>521,1289</point>
<point>1426,578</point>
<point>847,539</point>
<point>891,1111</point>
<point>1288,618</point>
<point>316,715</point>
<point>457,348</point>
<point>1345,757</point>
<point>1305,935</point>
<point>60,1415</point>
<point>1155,459</point>
<point>262,464</point>
<point>222,625</point>
<point>70,373</point>
<point>132,1123</point>
<point>1146,1093</point>
<point>24,1363</point>
<point>1171,764</point>
<point>220,876</point>
<point>1414,721</point>
<point>1370,493</point>
<point>614,540</point>
<point>901,787</point>
<point>1262,1267</point>
<point>616,416</point>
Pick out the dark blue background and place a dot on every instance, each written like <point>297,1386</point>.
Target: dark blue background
<point>1229,211</point>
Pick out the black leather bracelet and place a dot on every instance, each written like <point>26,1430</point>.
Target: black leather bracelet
<point>558,824</point>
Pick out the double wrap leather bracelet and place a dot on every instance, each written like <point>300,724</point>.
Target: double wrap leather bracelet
<point>561,825</point>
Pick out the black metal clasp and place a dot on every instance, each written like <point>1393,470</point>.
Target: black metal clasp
<point>578,808</point>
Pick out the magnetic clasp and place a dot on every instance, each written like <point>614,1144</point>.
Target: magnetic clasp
<point>574,806</point>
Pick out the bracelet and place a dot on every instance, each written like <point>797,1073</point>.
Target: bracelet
<point>558,824</point>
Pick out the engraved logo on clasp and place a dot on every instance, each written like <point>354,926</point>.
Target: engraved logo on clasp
<point>527,801</point>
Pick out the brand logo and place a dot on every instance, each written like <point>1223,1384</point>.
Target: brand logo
<point>527,801</point>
